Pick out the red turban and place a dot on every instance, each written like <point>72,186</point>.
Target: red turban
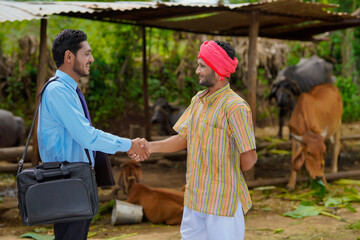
<point>217,59</point>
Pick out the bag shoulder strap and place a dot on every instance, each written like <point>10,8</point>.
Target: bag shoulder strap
<point>21,162</point>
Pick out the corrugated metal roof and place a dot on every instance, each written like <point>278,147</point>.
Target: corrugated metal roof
<point>283,19</point>
<point>19,11</point>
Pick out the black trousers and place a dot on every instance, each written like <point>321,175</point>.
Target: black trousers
<point>72,230</point>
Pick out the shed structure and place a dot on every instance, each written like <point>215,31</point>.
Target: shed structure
<point>281,19</point>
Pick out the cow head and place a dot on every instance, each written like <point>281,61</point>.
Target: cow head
<point>162,115</point>
<point>130,171</point>
<point>310,150</point>
<point>284,91</point>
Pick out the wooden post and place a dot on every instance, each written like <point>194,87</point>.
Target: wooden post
<point>40,80</point>
<point>252,74</point>
<point>145,86</point>
<point>252,70</point>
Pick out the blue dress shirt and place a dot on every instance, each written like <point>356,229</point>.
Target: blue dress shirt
<point>63,130</point>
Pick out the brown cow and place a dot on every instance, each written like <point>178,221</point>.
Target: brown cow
<point>316,117</point>
<point>159,204</point>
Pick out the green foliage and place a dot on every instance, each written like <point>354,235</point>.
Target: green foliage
<point>347,182</point>
<point>294,54</point>
<point>322,201</point>
<point>350,94</point>
<point>7,179</point>
<point>354,226</point>
<point>319,188</point>
<point>103,209</point>
<point>115,83</point>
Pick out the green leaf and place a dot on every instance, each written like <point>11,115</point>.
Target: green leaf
<point>304,211</point>
<point>347,182</point>
<point>267,209</point>
<point>122,236</point>
<point>262,188</point>
<point>348,206</point>
<point>278,230</point>
<point>354,226</point>
<point>344,198</point>
<point>351,198</point>
<point>280,152</point>
<point>91,234</point>
<point>307,203</point>
<point>37,236</point>
<point>319,188</point>
<point>351,190</point>
<point>333,201</point>
<point>42,230</point>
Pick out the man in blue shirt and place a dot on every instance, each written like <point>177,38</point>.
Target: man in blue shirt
<point>64,126</point>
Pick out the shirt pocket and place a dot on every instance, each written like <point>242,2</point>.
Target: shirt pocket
<point>216,147</point>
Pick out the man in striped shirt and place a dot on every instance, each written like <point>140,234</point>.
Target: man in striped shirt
<point>218,133</point>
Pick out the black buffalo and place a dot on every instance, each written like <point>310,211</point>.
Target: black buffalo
<point>12,129</point>
<point>165,115</point>
<point>294,80</point>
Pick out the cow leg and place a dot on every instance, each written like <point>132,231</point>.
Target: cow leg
<point>297,161</point>
<point>292,182</point>
<point>176,220</point>
<point>281,122</point>
<point>335,151</point>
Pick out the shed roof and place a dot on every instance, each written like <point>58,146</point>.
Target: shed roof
<point>19,11</point>
<point>282,19</point>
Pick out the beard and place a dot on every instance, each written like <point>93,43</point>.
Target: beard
<point>208,80</point>
<point>80,71</point>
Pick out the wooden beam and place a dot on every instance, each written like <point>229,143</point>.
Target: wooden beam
<point>13,154</point>
<point>13,167</point>
<point>40,80</point>
<point>145,86</point>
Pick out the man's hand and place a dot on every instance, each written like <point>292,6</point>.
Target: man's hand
<point>139,150</point>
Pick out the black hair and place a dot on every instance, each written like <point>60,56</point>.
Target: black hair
<point>67,39</point>
<point>227,47</point>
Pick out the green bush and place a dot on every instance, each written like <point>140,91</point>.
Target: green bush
<point>351,98</point>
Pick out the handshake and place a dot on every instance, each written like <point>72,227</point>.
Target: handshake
<point>140,149</point>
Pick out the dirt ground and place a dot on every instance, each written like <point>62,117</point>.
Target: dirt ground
<point>264,221</point>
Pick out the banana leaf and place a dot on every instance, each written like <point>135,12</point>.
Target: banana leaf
<point>37,236</point>
<point>347,182</point>
<point>304,211</point>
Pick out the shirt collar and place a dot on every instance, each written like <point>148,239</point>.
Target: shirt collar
<point>203,95</point>
<point>66,78</point>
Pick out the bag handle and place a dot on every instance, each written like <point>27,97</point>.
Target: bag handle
<point>21,162</point>
<point>42,173</point>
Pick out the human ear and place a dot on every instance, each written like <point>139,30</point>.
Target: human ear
<point>68,56</point>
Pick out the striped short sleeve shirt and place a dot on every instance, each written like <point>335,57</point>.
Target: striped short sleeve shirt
<point>218,128</point>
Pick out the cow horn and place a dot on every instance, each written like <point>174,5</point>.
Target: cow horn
<point>150,103</point>
<point>175,103</point>
<point>324,133</point>
<point>296,137</point>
